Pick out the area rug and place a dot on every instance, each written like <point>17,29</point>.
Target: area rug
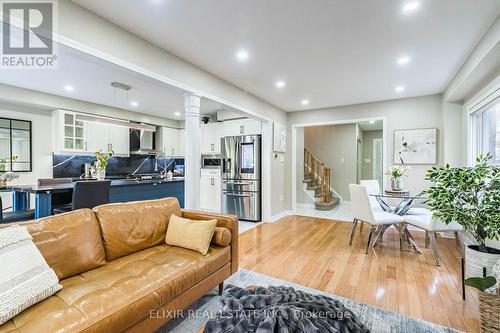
<point>376,319</point>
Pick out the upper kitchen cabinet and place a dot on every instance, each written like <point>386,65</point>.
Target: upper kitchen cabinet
<point>173,141</point>
<point>76,136</point>
<point>242,127</point>
<point>210,138</point>
<point>119,140</point>
<point>69,133</point>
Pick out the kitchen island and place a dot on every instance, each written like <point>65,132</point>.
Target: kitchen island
<point>122,190</point>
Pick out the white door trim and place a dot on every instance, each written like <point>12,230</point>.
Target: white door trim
<point>331,122</point>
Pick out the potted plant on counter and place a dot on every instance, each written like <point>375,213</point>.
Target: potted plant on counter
<point>101,163</point>
<point>471,197</point>
<point>397,173</point>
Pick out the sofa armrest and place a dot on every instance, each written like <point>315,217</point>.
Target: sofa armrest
<point>223,220</point>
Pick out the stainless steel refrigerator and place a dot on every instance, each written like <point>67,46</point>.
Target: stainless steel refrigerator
<point>241,190</point>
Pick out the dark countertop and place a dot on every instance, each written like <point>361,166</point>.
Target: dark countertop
<point>69,187</point>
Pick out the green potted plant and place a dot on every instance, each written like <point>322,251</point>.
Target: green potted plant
<point>101,163</point>
<point>471,197</point>
<point>397,173</point>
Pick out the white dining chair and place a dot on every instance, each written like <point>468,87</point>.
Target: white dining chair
<point>363,211</point>
<point>431,227</point>
<point>373,187</point>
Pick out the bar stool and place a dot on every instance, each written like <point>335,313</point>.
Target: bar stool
<point>87,194</point>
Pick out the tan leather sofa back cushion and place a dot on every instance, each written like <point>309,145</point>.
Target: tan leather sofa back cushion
<point>70,243</point>
<point>134,226</point>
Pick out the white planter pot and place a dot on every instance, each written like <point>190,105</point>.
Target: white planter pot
<point>100,174</point>
<point>476,260</point>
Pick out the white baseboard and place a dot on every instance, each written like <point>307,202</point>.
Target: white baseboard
<point>280,215</point>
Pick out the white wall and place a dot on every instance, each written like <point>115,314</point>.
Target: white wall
<point>41,144</point>
<point>335,145</point>
<point>417,112</point>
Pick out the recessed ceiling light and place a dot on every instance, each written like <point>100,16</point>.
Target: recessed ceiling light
<point>280,84</point>
<point>69,88</point>
<point>305,102</point>
<point>134,103</point>
<point>372,121</point>
<point>399,88</point>
<point>177,113</point>
<point>410,6</point>
<point>242,55</point>
<point>403,60</point>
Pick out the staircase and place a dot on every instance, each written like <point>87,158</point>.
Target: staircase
<point>317,183</point>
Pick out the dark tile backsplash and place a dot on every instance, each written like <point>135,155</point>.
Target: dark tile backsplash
<point>73,165</point>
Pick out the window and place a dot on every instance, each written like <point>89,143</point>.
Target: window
<point>486,131</point>
<point>15,145</point>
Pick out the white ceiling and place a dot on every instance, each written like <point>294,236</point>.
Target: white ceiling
<point>331,52</point>
<point>91,78</point>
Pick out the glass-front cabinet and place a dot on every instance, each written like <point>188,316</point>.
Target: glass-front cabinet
<point>15,145</point>
<point>74,132</point>
<point>69,133</point>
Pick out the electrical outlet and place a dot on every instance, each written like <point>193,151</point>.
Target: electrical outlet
<point>282,197</point>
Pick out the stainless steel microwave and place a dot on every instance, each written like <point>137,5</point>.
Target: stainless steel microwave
<point>210,161</point>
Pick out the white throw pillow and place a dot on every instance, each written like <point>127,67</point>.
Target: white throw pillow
<point>25,277</point>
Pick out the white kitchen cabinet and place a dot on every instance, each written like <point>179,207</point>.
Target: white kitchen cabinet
<point>119,140</point>
<point>173,141</point>
<point>69,134</point>
<point>97,137</point>
<point>242,127</point>
<point>107,138</point>
<point>85,138</point>
<point>210,190</point>
<point>210,138</point>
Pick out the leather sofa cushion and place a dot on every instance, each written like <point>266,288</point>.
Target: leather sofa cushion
<point>70,243</point>
<point>222,236</point>
<point>116,296</point>
<point>134,226</point>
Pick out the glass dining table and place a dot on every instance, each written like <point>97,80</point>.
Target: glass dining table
<point>406,201</point>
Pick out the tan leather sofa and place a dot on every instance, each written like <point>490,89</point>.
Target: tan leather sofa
<point>117,273</point>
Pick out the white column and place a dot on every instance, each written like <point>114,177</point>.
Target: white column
<point>192,162</point>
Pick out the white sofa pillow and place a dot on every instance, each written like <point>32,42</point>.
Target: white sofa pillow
<point>25,277</point>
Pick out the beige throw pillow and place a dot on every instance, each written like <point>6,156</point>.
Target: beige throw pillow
<point>190,234</point>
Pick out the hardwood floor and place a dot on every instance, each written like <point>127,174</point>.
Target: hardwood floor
<point>316,253</point>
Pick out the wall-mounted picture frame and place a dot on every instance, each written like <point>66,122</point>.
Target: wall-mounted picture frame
<point>415,146</point>
<point>279,138</point>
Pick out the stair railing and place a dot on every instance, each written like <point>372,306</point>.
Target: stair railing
<point>318,175</point>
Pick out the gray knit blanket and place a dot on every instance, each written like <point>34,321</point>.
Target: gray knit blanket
<point>281,310</point>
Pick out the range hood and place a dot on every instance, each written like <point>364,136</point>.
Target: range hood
<point>143,142</point>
